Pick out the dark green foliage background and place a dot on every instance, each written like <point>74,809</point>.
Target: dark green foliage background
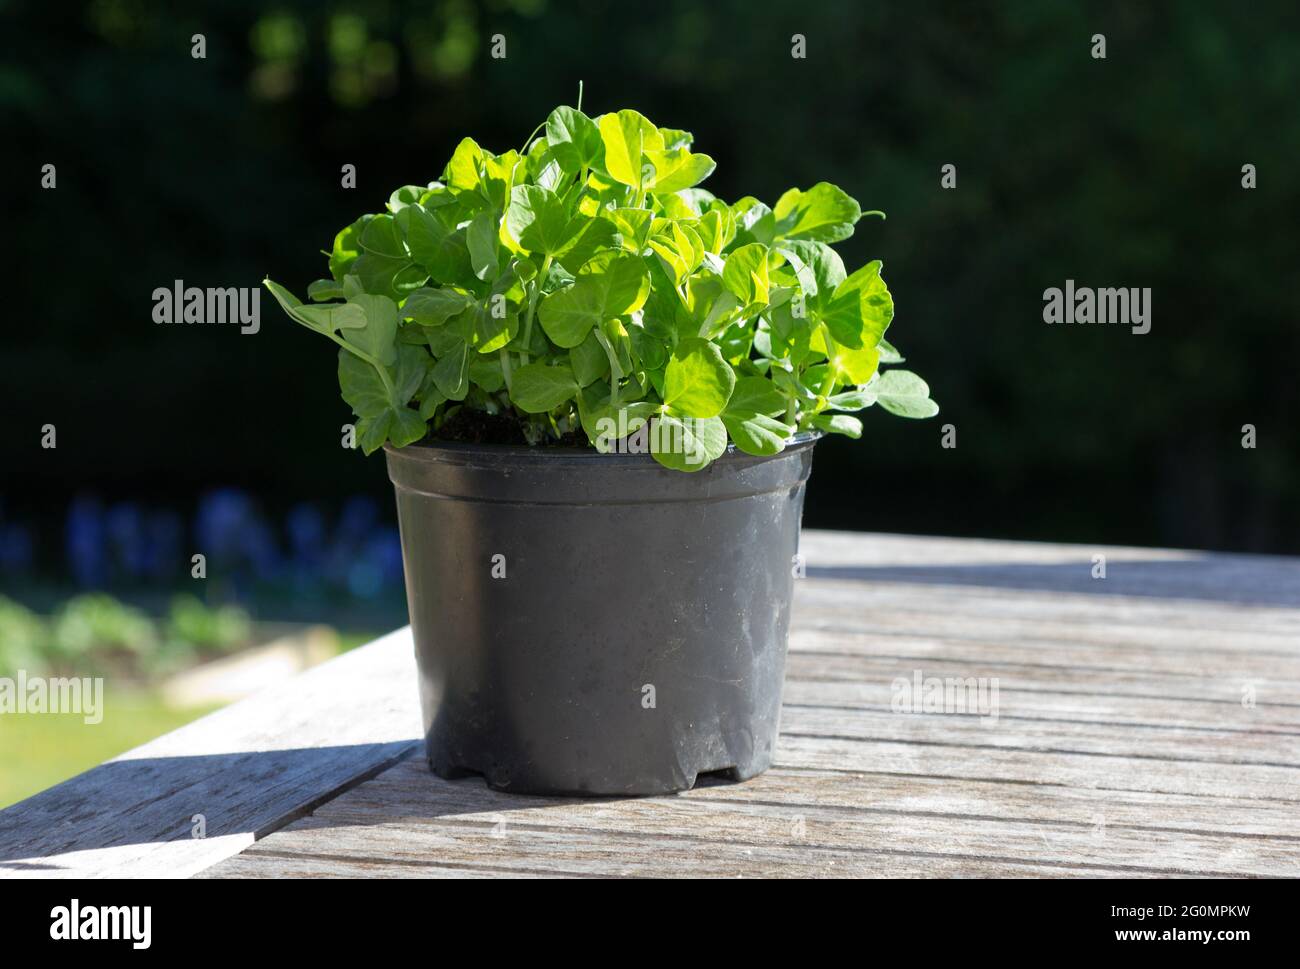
<point>1122,172</point>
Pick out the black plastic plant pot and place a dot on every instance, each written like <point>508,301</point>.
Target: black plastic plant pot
<point>595,623</point>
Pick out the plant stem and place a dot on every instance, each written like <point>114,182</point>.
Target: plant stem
<point>615,374</point>
<point>532,306</point>
<point>505,367</point>
<point>529,140</point>
<point>828,383</point>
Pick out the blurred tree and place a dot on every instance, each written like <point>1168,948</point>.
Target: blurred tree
<point>1117,172</point>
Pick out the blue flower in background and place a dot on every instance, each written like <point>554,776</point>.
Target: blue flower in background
<point>307,544</point>
<point>84,540</point>
<point>124,525</point>
<point>235,537</point>
<point>16,549</point>
<point>219,525</point>
<point>163,556</point>
<point>379,565</point>
<point>309,554</point>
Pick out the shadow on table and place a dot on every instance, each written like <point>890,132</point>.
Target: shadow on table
<point>154,800</point>
<point>148,802</point>
<point>1247,580</point>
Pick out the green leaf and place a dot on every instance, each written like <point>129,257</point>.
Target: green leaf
<point>888,352</point>
<point>379,336</point>
<point>383,417</point>
<point>537,388</point>
<point>570,314</point>
<point>440,248</point>
<point>323,319</point>
<point>400,428</point>
<point>858,399</point>
<point>538,221</point>
<point>451,372</point>
<point>698,382</point>
<point>606,424</point>
<point>588,360</point>
<point>677,169</point>
<point>838,424</point>
<point>464,171</point>
<point>362,387</point>
<point>623,137</point>
<point>404,196</point>
<point>491,331</point>
<point>486,373</point>
<point>646,297</point>
<point>858,365</point>
<point>434,307</point>
<point>499,174</point>
<point>756,394</point>
<point>593,236</point>
<point>380,236</point>
<point>904,394</point>
<point>756,433</point>
<point>754,222</point>
<point>346,248</point>
<point>824,213</point>
<point>745,275</point>
<point>323,289</point>
<point>390,277</point>
<point>633,225</point>
<point>413,367</point>
<point>824,266</point>
<point>716,229</point>
<point>443,340</point>
<point>676,138</point>
<point>861,309</point>
<point>481,237</point>
<point>748,417</point>
<point>574,139</point>
<point>687,444</point>
<point>332,317</point>
<point>649,349</point>
<point>431,398</point>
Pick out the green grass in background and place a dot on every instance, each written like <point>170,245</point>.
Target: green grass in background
<point>39,750</point>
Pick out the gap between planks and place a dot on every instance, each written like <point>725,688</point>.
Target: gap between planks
<point>390,816</point>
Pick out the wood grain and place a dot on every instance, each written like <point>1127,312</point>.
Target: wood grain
<point>1147,724</point>
<point>247,769</point>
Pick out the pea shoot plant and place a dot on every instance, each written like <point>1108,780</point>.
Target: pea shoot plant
<point>585,285</point>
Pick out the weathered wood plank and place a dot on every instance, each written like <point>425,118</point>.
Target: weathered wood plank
<point>1122,745</point>
<point>906,794</point>
<point>1079,643</point>
<point>1075,707</point>
<point>247,769</point>
<point>1135,685</point>
<point>1254,580</point>
<point>288,864</point>
<point>1040,767</point>
<point>1103,740</point>
<point>1151,620</point>
<point>1028,652</point>
<point>702,833</point>
<point>393,852</point>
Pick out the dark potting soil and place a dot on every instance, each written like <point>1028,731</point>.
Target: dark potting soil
<point>468,426</point>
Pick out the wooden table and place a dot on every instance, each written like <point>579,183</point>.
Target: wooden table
<point>1146,723</point>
